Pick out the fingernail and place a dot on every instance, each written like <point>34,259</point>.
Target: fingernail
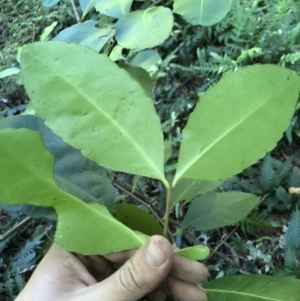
<point>154,254</point>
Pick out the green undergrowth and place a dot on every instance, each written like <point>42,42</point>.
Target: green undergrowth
<point>193,58</point>
<point>22,22</point>
<point>20,252</point>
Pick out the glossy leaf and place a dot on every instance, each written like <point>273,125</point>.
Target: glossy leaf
<point>146,59</point>
<point>187,189</point>
<point>138,219</point>
<point>86,34</point>
<point>113,8</point>
<point>215,210</point>
<point>199,252</point>
<point>84,228</point>
<point>253,288</point>
<point>144,28</point>
<point>74,173</point>
<point>140,75</point>
<point>115,106</point>
<point>237,121</point>
<point>202,12</point>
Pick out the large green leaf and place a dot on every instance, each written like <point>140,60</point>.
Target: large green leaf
<point>94,106</point>
<point>27,177</point>
<point>138,219</point>
<point>74,173</point>
<point>113,8</point>
<point>237,121</point>
<point>253,288</point>
<point>215,210</point>
<point>86,34</point>
<point>144,28</point>
<point>202,12</point>
<point>187,189</point>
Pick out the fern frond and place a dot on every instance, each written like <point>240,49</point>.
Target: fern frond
<point>294,179</point>
<point>25,258</point>
<point>292,235</point>
<point>18,283</point>
<point>283,195</point>
<point>282,171</point>
<point>266,173</point>
<point>4,243</point>
<point>255,223</point>
<point>290,258</point>
<point>290,58</point>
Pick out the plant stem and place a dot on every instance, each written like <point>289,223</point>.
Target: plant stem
<point>141,199</point>
<point>14,229</point>
<point>75,11</point>
<point>155,3</point>
<point>221,243</point>
<point>168,208</point>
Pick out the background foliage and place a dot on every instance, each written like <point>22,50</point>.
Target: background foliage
<point>193,58</point>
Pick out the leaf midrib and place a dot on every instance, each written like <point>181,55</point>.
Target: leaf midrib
<point>90,101</point>
<point>213,143</point>
<point>242,294</point>
<point>201,10</point>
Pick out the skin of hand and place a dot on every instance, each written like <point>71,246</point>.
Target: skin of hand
<point>124,276</point>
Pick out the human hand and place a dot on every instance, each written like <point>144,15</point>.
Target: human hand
<point>122,276</point>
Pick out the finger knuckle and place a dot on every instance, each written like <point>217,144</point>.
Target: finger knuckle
<point>131,278</point>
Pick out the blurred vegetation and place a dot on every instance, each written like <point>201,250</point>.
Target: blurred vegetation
<point>22,22</point>
<point>193,58</point>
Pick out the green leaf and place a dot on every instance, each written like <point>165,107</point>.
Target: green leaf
<point>112,108</point>
<point>237,121</point>
<point>138,219</point>
<point>139,75</point>
<point>202,12</point>
<point>144,28</point>
<point>198,252</point>
<point>146,59</point>
<point>116,54</point>
<point>113,8</point>
<point>86,34</point>
<point>47,31</point>
<point>84,228</point>
<point>9,72</point>
<point>86,6</point>
<point>187,189</point>
<point>74,173</point>
<point>215,210</point>
<point>253,288</point>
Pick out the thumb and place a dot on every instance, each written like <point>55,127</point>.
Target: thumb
<point>140,275</point>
